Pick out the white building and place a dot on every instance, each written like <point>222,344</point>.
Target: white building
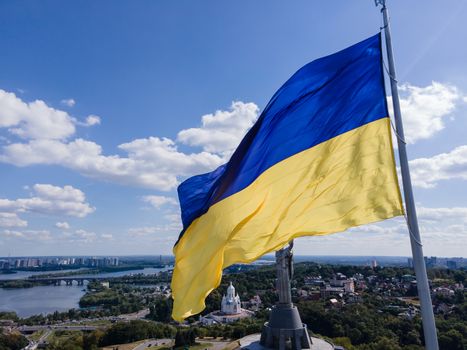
<point>231,304</point>
<point>230,311</point>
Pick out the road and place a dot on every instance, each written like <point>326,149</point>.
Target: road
<point>216,344</point>
<point>33,344</point>
<point>136,315</point>
<point>154,342</point>
<point>31,329</point>
<point>60,327</point>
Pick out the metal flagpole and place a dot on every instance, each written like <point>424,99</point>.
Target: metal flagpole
<point>428,319</point>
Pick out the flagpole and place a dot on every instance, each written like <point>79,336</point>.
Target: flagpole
<point>428,319</point>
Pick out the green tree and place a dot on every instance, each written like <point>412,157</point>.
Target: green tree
<point>411,337</point>
<point>459,276</point>
<point>12,341</point>
<point>161,310</point>
<point>343,341</point>
<point>451,340</point>
<point>355,335</point>
<point>8,315</point>
<point>91,341</point>
<point>383,343</point>
<point>184,338</point>
<point>239,331</point>
<point>135,330</point>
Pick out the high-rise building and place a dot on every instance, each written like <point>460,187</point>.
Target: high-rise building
<point>431,261</point>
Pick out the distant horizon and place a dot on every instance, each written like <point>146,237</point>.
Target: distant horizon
<point>268,255</point>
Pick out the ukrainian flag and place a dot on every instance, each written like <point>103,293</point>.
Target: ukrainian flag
<point>319,160</point>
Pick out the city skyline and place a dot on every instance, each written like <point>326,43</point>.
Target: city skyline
<point>105,109</point>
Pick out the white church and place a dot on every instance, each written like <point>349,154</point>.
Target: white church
<point>231,304</point>
<point>231,309</point>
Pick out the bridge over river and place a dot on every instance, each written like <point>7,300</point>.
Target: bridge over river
<point>68,280</point>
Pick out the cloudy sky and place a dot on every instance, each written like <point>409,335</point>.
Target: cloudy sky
<point>106,106</point>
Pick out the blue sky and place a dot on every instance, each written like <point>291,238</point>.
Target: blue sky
<point>102,105</point>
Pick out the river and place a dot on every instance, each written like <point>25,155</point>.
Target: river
<point>47,299</point>
<point>40,300</point>
<point>25,274</point>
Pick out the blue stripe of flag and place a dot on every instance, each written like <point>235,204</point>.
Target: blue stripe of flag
<point>325,98</point>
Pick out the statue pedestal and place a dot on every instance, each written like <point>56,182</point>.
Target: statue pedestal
<point>285,329</point>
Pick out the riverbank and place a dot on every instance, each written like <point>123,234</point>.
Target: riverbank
<point>95,272</point>
<point>18,284</point>
<point>27,297</point>
<point>98,270</point>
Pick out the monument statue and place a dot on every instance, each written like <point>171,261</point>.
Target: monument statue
<point>285,325</point>
<point>284,267</point>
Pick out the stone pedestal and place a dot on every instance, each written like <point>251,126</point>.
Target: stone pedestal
<point>285,329</point>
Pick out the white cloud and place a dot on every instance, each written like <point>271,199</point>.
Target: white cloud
<point>66,193</point>
<point>143,231</point>
<point>90,120</point>
<point>63,225</point>
<point>33,120</point>
<point>424,109</point>
<point>172,228</point>
<point>164,155</point>
<point>34,152</point>
<point>11,220</point>
<point>69,102</point>
<point>50,200</point>
<point>443,226</point>
<point>36,120</point>
<point>14,234</point>
<point>31,235</point>
<point>174,218</point>
<point>158,201</point>
<point>222,131</point>
<point>93,120</point>
<point>397,226</point>
<point>443,232</point>
<point>156,163</point>
<point>83,236</point>
<point>426,172</point>
<point>458,214</point>
<point>151,163</point>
